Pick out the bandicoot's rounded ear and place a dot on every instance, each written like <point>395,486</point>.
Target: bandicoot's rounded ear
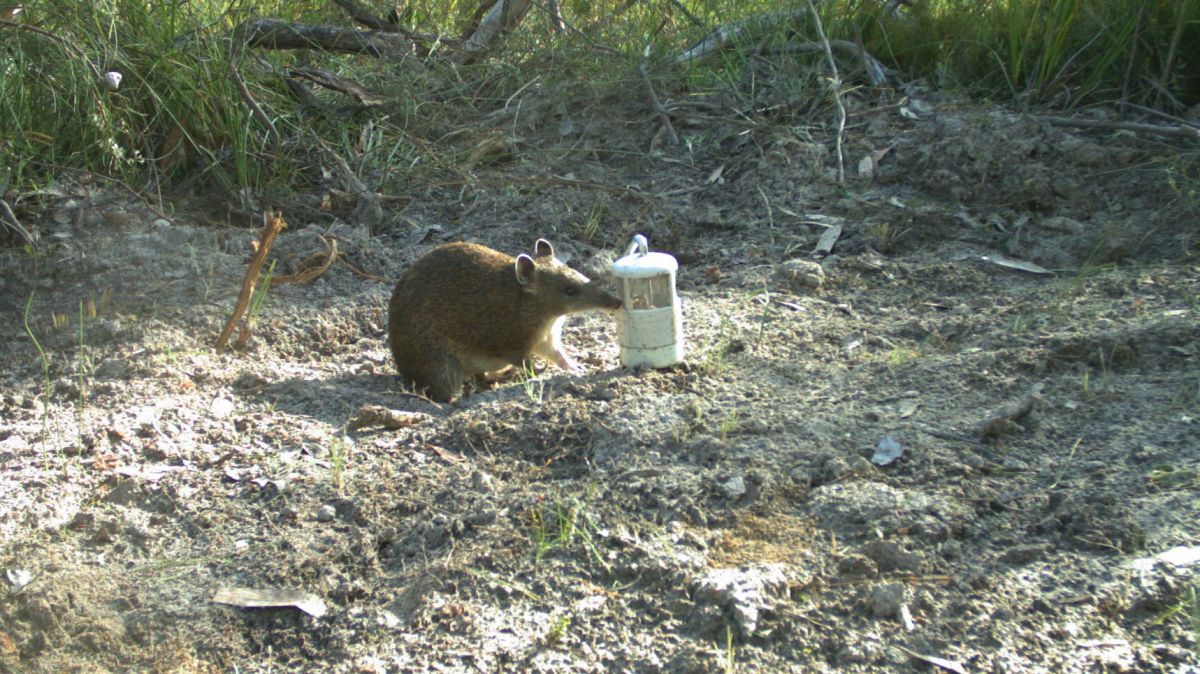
<point>526,269</point>
<point>543,248</point>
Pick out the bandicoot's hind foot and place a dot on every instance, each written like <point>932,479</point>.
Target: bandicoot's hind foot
<point>438,374</point>
<point>442,391</point>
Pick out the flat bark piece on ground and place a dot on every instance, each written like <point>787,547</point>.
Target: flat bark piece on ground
<point>378,415</point>
<point>1019,265</point>
<point>248,597</point>
<point>828,240</point>
<point>948,665</point>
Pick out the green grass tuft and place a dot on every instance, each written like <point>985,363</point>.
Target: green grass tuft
<point>179,120</point>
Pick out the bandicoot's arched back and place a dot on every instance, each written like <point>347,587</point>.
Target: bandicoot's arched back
<point>464,309</point>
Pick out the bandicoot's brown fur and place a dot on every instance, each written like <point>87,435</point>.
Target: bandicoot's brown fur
<point>464,309</point>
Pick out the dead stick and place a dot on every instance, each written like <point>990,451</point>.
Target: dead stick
<point>551,7</point>
<point>9,219</point>
<point>272,223</point>
<point>362,273</point>
<point>556,20</point>
<point>835,85</point>
<point>362,16</point>
<point>690,17</point>
<point>1158,113</point>
<point>310,274</point>
<point>255,108</point>
<point>1180,131</point>
<point>658,106</point>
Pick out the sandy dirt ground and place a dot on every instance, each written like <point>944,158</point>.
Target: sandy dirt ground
<point>1011,306</point>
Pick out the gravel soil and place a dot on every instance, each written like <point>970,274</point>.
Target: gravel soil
<point>1011,307</point>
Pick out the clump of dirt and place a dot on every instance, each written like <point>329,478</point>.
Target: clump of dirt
<point>725,513</point>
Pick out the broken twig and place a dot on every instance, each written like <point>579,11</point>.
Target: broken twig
<point>362,97</point>
<point>9,219</point>
<point>311,267</point>
<point>261,116</point>
<point>272,224</point>
<point>835,86</point>
<point>378,415</point>
<point>501,17</point>
<point>658,106</point>
<point>1158,129</point>
<point>364,17</point>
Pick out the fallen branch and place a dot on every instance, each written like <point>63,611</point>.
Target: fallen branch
<point>324,78</point>
<point>721,36</point>
<point>658,106</point>
<point>256,300</point>
<point>473,24</point>
<point>312,267</point>
<point>272,224</point>
<point>501,18</point>
<point>368,210</point>
<point>275,34</point>
<point>363,17</point>
<point>876,72</point>
<point>690,17</point>
<point>9,219</point>
<point>835,86</point>
<point>1158,113</point>
<point>724,34</point>
<point>261,116</point>
<point>1158,129</point>
<point>306,98</point>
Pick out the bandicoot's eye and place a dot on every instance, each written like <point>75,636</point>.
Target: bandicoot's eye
<point>570,291</point>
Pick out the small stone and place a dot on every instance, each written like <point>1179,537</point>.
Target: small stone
<point>112,369</point>
<point>1022,554</point>
<point>66,387</point>
<point>289,513</point>
<point>744,593</point>
<point>250,381</point>
<point>734,488</point>
<point>388,619</point>
<point>326,513</point>
<point>886,600</point>
<point>891,557</point>
<point>857,566</point>
<point>950,550</point>
<point>482,517</point>
<point>483,482</point>
<point>802,276</point>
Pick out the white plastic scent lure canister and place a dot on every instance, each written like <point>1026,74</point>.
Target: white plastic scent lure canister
<point>650,322</point>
